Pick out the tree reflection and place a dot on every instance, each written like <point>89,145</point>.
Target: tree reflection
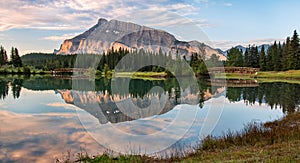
<point>16,86</point>
<point>283,95</point>
<point>3,89</point>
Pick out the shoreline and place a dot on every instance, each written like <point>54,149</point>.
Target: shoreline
<point>291,76</point>
<point>268,142</point>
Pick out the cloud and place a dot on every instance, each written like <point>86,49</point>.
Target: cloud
<point>61,37</point>
<point>81,14</point>
<point>228,4</point>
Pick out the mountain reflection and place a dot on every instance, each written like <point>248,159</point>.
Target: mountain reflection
<point>140,102</point>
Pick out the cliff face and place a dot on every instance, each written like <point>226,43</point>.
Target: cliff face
<point>115,34</point>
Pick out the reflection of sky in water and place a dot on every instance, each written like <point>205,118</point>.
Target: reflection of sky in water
<point>31,102</point>
<point>40,125</point>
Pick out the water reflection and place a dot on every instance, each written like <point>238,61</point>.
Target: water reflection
<point>283,95</point>
<point>48,109</point>
<point>3,89</point>
<point>15,84</point>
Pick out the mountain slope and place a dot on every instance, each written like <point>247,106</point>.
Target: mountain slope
<point>115,34</point>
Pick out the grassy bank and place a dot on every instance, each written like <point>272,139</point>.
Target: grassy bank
<point>21,70</point>
<point>277,141</point>
<point>291,74</point>
<point>134,75</point>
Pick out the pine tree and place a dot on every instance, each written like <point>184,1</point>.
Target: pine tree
<point>3,57</point>
<point>294,53</point>
<point>254,57</point>
<point>275,57</point>
<point>246,58</point>
<point>269,61</point>
<point>280,55</point>
<point>235,57</point>
<point>262,59</point>
<point>12,55</point>
<point>18,58</point>
<point>285,54</point>
<point>15,58</point>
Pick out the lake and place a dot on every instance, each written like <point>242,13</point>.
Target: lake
<point>43,118</point>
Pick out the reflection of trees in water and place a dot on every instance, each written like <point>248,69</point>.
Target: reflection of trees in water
<point>16,86</point>
<point>3,89</point>
<point>284,95</point>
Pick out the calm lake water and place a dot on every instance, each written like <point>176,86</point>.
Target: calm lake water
<point>44,118</point>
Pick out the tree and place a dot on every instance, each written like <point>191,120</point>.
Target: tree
<point>269,61</point>
<point>214,61</point>
<point>235,57</point>
<point>253,57</point>
<point>285,54</point>
<point>247,58</point>
<point>276,56</point>
<point>294,53</point>
<point>15,58</point>
<point>3,56</point>
<point>262,59</point>
<point>197,64</point>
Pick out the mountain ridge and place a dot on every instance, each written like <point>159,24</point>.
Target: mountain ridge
<point>116,34</point>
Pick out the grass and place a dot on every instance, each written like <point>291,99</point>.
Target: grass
<point>270,80</point>
<point>277,141</point>
<point>291,74</point>
<point>136,75</point>
<point>274,75</point>
<point>233,76</point>
<point>22,70</point>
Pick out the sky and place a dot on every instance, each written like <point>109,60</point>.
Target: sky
<point>42,25</point>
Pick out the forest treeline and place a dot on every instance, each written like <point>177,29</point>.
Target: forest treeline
<point>278,57</point>
<point>110,60</point>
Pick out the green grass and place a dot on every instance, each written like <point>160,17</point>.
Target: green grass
<point>233,76</point>
<point>135,75</point>
<point>20,70</point>
<point>291,74</point>
<point>262,76</point>
<point>270,80</point>
<point>277,141</point>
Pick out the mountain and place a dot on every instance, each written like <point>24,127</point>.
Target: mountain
<point>266,47</point>
<point>118,34</point>
<point>240,47</point>
<point>221,51</point>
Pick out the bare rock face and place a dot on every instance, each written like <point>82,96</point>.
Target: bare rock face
<point>117,34</point>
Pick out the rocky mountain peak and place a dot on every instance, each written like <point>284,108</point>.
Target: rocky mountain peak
<point>118,34</point>
<point>102,21</point>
